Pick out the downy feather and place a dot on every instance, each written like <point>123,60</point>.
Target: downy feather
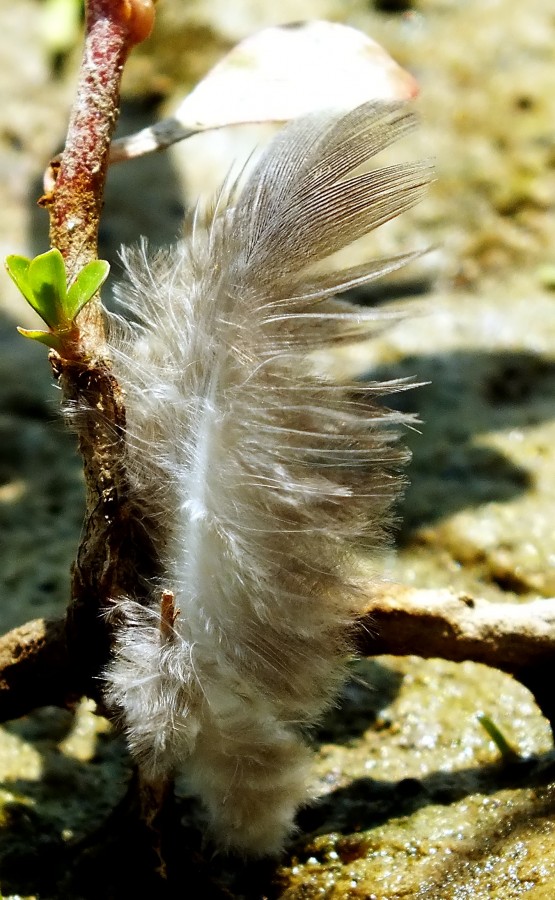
<point>259,474</point>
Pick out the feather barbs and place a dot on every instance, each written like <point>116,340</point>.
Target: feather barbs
<point>259,473</point>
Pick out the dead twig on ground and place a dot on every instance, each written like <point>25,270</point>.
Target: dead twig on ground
<point>519,639</point>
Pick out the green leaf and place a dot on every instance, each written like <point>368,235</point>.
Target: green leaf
<point>18,270</point>
<point>44,337</point>
<point>47,279</point>
<point>507,751</point>
<point>43,283</point>
<point>89,280</point>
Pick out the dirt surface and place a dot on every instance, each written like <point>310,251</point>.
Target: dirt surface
<point>414,799</point>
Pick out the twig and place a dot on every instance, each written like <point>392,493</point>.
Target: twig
<point>115,557</point>
<point>516,638</point>
<point>75,203</point>
<point>399,621</point>
<point>34,669</point>
<point>509,636</point>
<point>114,552</point>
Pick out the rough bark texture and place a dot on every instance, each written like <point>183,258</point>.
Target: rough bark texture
<point>114,553</point>
<point>404,621</point>
<point>517,638</point>
<point>34,668</point>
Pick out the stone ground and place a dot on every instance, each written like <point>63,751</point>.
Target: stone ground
<point>414,800</point>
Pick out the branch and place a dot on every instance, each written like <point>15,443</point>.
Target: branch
<point>75,203</point>
<point>115,558</point>
<point>34,669</point>
<point>510,636</point>
<point>114,552</point>
<point>399,621</point>
<point>516,638</point>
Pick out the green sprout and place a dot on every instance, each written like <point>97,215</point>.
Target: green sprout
<point>507,751</point>
<point>43,283</point>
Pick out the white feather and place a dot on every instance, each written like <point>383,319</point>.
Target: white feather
<point>256,474</point>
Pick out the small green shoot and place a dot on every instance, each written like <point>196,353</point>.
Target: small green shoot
<point>43,283</point>
<point>507,751</point>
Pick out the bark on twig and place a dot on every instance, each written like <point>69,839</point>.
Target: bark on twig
<point>34,669</point>
<point>403,621</point>
<point>75,202</point>
<point>114,556</point>
<point>518,638</point>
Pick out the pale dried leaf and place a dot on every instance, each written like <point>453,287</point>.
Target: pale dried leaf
<point>279,74</point>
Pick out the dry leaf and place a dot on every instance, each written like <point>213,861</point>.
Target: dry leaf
<point>279,74</point>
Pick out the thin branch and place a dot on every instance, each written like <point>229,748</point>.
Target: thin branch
<point>399,621</point>
<point>509,636</point>
<point>516,638</point>
<point>34,669</point>
<point>115,557</point>
<point>114,552</point>
<point>75,202</point>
